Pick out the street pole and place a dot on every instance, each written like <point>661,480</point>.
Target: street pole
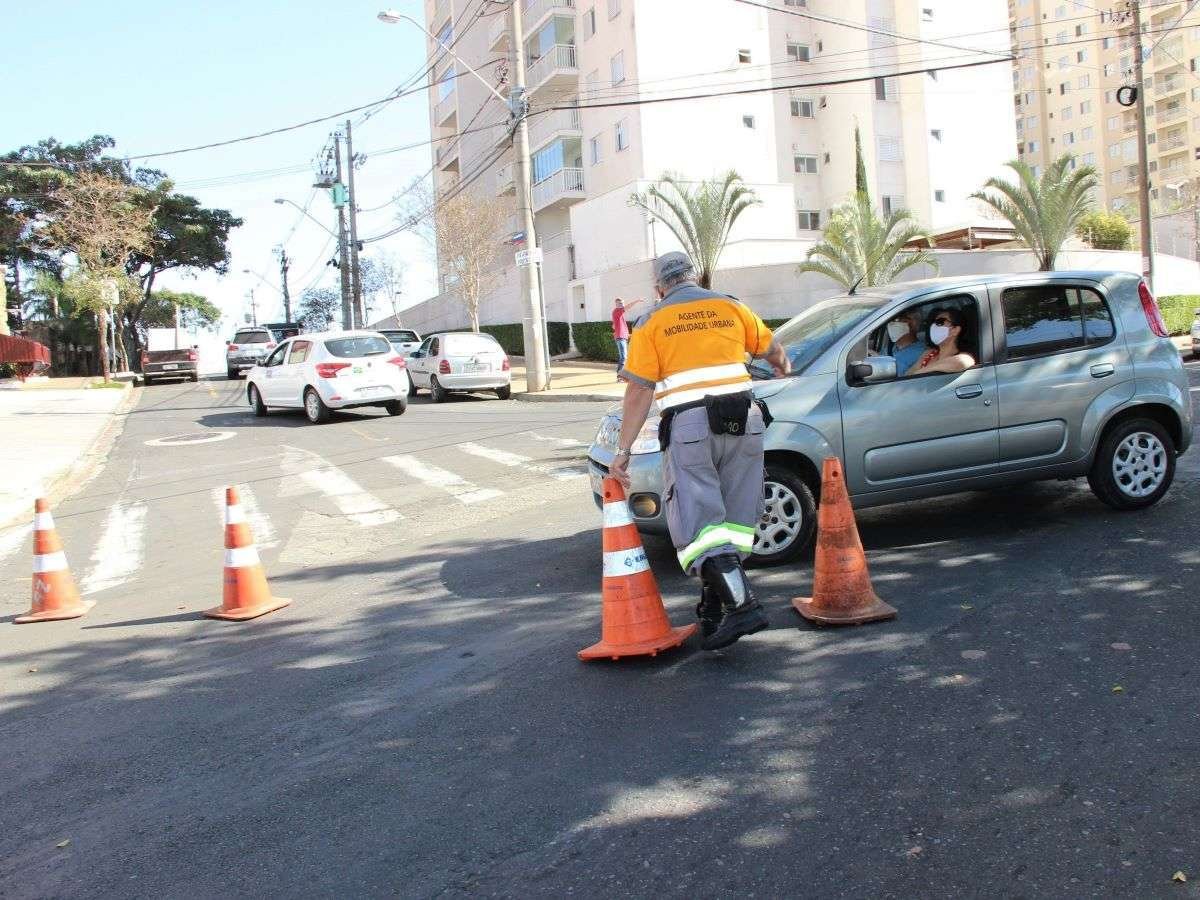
<point>284,265</point>
<point>1143,152</point>
<point>536,370</point>
<point>253,309</point>
<point>343,261</point>
<point>355,280</point>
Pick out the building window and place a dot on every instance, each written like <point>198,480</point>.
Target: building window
<point>1085,108</point>
<point>594,150</point>
<point>614,8</point>
<point>1109,70</point>
<point>1069,138</point>
<point>826,157</point>
<point>748,121</point>
<point>445,83</point>
<point>798,52</point>
<point>622,136</point>
<point>939,196</point>
<point>926,14</point>
<point>1064,88</point>
<point>1081,56</point>
<point>589,22</point>
<point>1087,134</point>
<point>805,165</point>
<point>808,219</point>
<point>1106,43</point>
<point>616,67</point>
<point>892,203</point>
<point>1031,123</point>
<point>1064,62</point>
<point>890,149</point>
<point>591,84</point>
<point>1114,151</point>
<point>1114,122</point>
<point>885,88</point>
<point>1033,146</point>
<point>803,109</point>
<point>1085,81</point>
<point>743,56</point>
<point>1067,113</point>
<point>800,3</point>
<point>1089,159</point>
<point>936,133</point>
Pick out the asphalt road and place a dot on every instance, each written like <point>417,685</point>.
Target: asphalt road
<point>416,723</point>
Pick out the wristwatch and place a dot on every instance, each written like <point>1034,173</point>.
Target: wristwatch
<point>624,452</point>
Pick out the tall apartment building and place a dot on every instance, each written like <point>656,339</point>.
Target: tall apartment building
<point>1073,58</point>
<point>596,70</point>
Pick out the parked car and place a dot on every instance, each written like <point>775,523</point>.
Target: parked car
<point>460,361</point>
<point>403,340</point>
<point>330,370</point>
<point>1075,377</point>
<point>1196,336</point>
<point>159,365</point>
<point>248,348</point>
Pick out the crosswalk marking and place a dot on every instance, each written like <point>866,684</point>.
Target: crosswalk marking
<point>562,442</point>
<point>260,525</point>
<point>455,485</point>
<point>311,470</point>
<point>515,460</point>
<point>118,554</point>
<point>11,539</point>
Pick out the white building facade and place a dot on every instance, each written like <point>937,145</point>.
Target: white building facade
<point>604,79</point>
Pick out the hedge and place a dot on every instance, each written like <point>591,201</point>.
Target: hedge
<point>1178,311</point>
<point>512,338</point>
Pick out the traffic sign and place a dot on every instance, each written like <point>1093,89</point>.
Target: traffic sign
<point>532,256</point>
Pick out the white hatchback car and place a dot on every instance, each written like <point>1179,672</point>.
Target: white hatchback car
<point>330,370</point>
<point>460,361</point>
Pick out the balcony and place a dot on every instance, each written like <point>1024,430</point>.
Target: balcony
<point>447,155</point>
<point>498,32</point>
<point>441,16</point>
<point>505,181</point>
<point>1169,84</point>
<point>558,70</point>
<point>446,112</point>
<point>536,11</point>
<point>1174,145</point>
<point>564,186</point>
<point>554,124</point>
<point>1170,114</point>
<point>555,241</point>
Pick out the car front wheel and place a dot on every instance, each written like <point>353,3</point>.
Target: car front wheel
<point>315,408</point>
<point>256,402</point>
<point>789,519</point>
<point>1134,466</point>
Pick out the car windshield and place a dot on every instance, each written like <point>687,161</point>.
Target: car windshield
<point>403,337</point>
<point>252,337</point>
<point>471,343</point>
<point>353,347</point>
<point>815,330</point>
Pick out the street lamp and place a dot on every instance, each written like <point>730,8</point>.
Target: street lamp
<point>392,17</point>
<point>304,212</point>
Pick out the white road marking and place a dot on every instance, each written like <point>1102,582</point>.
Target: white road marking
<point>515,460</point>
<point>562,442</point>
<point>260,524</point>
<point>118,554</point>
<point>308,471</point>
<point>454,485</point>
<point>11,539</point>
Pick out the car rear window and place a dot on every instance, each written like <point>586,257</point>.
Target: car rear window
<point>252,337</point>
<point>354,347</point>
<point>406,337</point>
<point>471,343</point>
<point>1054,319</point>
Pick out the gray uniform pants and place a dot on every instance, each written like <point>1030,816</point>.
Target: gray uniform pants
<point>714,487</point>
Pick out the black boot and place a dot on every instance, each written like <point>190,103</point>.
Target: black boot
<point>708,610</point>
<point>743,614</point>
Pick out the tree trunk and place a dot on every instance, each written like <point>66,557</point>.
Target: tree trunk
<point>473,311</point>
<point>704,279</point>
<point>102,341</point>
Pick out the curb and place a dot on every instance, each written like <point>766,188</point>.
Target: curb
<point>567,398</point>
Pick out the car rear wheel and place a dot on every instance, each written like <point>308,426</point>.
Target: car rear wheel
<point>505,392</point>
<point>789,520</point>
<point>147,381</point>
<point>194,377</point>
<point>1134,466</point>
<point>315,408</point>
<point>395,407</point>
<point>256,403</point>
<point>437,393</point>
<point>231,374</point>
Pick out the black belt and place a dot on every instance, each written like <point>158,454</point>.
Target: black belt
<point>727,414</point>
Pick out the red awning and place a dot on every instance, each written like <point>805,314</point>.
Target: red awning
<point>22,350</point>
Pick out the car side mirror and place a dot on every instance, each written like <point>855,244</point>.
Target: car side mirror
<point>873,370</point>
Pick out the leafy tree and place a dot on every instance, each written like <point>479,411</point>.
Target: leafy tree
<point>1044,211</point>
<point>382,275</point>
<point>195,311</point>
<point>859,247</point>
<point>318,306</point>
<point>860,165</point>
<point>1105,231</point>
<point>700,215</point>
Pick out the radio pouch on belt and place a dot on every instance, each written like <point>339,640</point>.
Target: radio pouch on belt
<point>727,413</point>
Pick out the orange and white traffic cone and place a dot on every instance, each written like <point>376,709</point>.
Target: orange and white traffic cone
<point>634,621</point>
<point>55,596</point>
<point>842,592</point>
<point>247,595</point>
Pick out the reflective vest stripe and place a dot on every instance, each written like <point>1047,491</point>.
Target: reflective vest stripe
<point>740,537</point>
<point>691,395</point>
<point>702,376</point>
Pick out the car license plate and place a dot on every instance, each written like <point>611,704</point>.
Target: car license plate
<point>168,366</point>
<point>373,389</point>
<point>477,367</point>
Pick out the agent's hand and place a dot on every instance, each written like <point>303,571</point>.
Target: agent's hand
<point>784,369</point>
<point>619,469</point>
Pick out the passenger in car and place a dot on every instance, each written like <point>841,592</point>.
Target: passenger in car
<point>950,343</point>
<point>907,347</point>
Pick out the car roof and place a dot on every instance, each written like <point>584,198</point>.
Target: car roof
<point>327,335</point>
<point>910,289</point>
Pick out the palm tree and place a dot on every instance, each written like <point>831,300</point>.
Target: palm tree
<point>859,248</point>
<point>699,214</point>
<point>1044,211</point>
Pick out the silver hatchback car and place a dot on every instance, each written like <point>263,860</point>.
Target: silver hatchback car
<point>1075,376</point>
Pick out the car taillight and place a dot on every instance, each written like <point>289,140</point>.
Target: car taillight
<point>504,366</point>
<point>192,356</point>
<point>271,345</point>
<point>330,370</point>
<point>231,345</point>
<point>444,367</point>
<point>398,361</point>
<point>1153,315</point>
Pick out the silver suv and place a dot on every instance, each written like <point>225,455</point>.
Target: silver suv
<point>1075,377</point>
<point>248,348</point>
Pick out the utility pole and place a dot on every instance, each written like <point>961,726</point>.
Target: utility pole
<point>355,280</point>
<point>253,309</point>
<point>343,261</point>
<point>284,265</point>
<point>536,371</point>
<point>1143,152</point>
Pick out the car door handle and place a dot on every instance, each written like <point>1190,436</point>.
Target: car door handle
<point>1103,370</point>
<point>967,391</point>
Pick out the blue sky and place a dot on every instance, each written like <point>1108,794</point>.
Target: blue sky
<point>158,76</point>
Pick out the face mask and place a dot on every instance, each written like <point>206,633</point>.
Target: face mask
<point>938,333</point>
<point>897,330</point>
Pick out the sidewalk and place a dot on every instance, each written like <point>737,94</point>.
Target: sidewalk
<point>54,432</point>
<point>572,381</point>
